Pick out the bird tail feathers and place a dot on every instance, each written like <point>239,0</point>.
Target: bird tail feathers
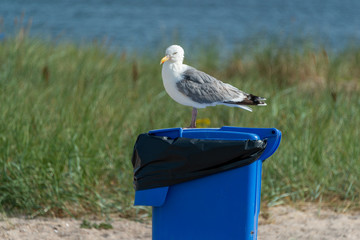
<point>245,107</point>
<point>239,106</point>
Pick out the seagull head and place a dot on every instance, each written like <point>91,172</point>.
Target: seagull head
<point>173,54</point>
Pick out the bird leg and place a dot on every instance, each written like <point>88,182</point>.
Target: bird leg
<point>193,118</point>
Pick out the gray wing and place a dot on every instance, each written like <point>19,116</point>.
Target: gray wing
<point>203,88</point>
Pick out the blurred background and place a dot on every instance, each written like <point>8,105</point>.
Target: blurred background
<point>80,80</point>
<point>147,24</point>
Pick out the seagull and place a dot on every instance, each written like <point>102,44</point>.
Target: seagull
<point>191,87</point>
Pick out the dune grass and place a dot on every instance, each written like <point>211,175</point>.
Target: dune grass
<point>69,116</point>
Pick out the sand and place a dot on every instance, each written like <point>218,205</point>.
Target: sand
<point>281,222</point>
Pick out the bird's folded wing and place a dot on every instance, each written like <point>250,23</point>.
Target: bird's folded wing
<point>203,88</point>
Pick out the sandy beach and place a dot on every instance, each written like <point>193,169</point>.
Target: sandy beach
<point>281,222</point>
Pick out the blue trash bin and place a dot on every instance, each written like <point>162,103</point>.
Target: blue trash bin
<point>224,205</point>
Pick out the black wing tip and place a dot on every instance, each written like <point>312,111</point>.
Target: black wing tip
<point>257,100</point>
<point>250,100</point>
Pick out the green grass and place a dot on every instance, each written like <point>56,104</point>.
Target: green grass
<point>69,116</point>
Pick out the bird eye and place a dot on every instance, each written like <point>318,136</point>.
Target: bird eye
<point>175,53</point>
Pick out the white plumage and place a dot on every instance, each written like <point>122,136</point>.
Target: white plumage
<point>191,87</point>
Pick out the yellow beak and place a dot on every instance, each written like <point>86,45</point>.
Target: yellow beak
<point>164,59</point>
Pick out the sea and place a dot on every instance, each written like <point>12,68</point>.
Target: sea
<point>145,25</point>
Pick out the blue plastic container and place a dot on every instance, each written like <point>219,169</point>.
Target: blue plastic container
<point>225,205</point>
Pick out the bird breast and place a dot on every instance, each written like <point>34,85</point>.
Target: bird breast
<point>171,75</point>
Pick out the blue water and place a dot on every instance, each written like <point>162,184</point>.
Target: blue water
<point>148,24</point>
